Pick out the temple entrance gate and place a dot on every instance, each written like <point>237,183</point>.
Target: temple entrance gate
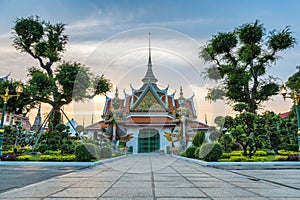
<point>148,141</point>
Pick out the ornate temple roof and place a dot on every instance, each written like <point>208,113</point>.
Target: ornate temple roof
<point>149,105</point>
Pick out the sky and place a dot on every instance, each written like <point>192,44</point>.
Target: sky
<point>111,38</point>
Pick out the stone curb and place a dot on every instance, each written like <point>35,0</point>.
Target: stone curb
<point>60,164</point>
<point>244,165</point>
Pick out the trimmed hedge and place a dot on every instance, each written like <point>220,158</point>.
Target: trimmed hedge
<point>24,158</point>
<point>210,152</point>
<point>58,158</point>
<point>86,152</point>
<point>190,152</point>
<point>281,158</point>
<point>198,139</point>
<point>238,159</point>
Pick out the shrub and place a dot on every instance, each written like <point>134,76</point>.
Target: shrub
<point>24,158</point>
<point>236,153</point>
<point>269,152</point>
<point>210,152</point>
<point>225,155</point>
<point>198,139</point>
<point>105,152</point>
<point>197,151</point>
<point>238,159</point>
<point>57,158</point>
<point>47,158</point>
<point>260,153</point>
<point>284,152</point>
<point>51,152</point>
<point>260,159</point>
<point>190,152</point>
<point>281,158</point>
<point>68,158</point>
<point>292,147</point>
<point>86,152</point>
<point>42,147</point>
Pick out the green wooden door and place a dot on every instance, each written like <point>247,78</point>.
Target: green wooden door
<point>148,141</point>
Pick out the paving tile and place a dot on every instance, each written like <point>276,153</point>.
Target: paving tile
<point>228,192</point>
<point>179,192</point>
<point>79,192</point>
<point>125,192</point>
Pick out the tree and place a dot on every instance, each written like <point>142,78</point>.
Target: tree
<point>21,105</point>
<point>246,131</point>
<point>241,57</point>
<point>70,81</point>
<point>294,81</point>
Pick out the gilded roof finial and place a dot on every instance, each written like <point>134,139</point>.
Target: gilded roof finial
<point>149,47</point>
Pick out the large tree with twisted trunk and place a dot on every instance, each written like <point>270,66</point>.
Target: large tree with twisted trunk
<point>55,81</point>
<point>239,60</point>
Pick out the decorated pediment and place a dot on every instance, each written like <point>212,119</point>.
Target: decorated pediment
<point>149,102</point>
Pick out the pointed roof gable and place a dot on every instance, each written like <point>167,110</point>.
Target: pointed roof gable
<point>149,99</point>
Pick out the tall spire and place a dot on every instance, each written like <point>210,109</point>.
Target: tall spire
<point>38,120</point>
<point>149,77</point>
<point>149,60</point>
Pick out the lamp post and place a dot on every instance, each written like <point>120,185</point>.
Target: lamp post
<point>295,97</point>
<point>5,97</point>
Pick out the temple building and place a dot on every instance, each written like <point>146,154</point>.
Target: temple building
<point>149,119</point>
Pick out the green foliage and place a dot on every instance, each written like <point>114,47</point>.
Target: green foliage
<point>58,158</point>
<point>259,159</point>
<point>190,151</point>
<point>51,152</point>
<point>281,158</point>
<point>86,152</point>
<point>70,81</point>
<point>225,155</point>
<point>21,105</point>
<point>105,152</point>
<point>242,57</point>
<point>24,158</point>
<point>42,147</point>
<point>197,151</point>
<point>269,152</point>
<point>285,152</point>
<point>210,152</point>
<point>236,153</point>
<point>238,159</point>
<point>260,153</point>
<point>39,38</point>
<point>198,139</point>
<point>294,81</point>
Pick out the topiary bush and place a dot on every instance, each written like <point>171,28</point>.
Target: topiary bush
<point>190,151</point>
<point>86,152</point>
<point>198,139</point>
<point>210,152</point>
<point>105,152</point>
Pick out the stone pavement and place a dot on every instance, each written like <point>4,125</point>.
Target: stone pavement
<point>162,177</point>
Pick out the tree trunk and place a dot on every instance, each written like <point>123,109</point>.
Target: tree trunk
<point>55,118</point>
